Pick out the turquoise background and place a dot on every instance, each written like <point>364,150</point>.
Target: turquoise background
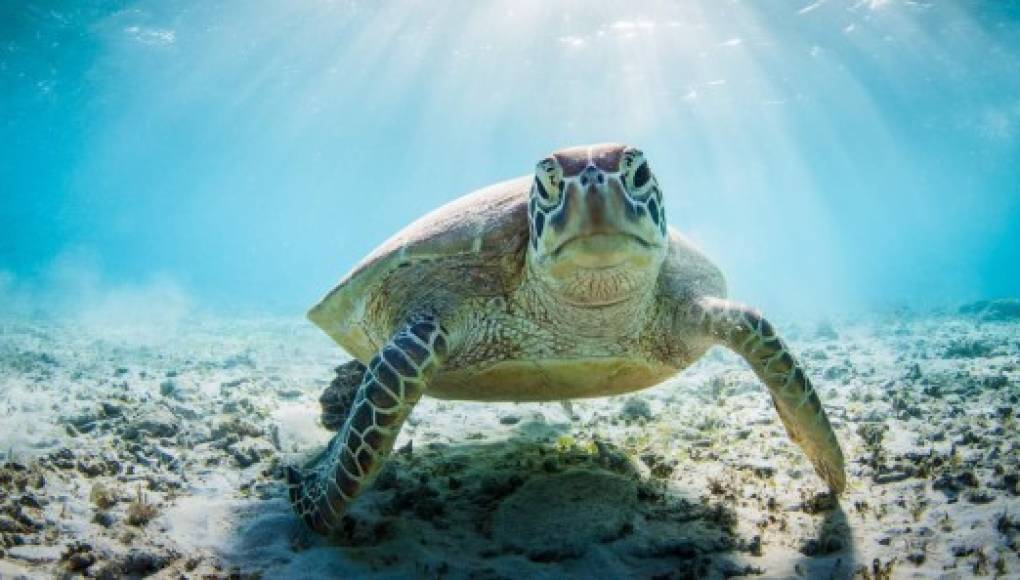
<point>242,155</point>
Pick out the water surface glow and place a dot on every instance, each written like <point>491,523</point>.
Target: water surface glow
<point>830,155</point>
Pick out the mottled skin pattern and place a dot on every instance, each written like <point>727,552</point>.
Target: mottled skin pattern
<point>567,284</point>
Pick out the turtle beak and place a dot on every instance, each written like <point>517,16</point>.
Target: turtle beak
<point>601,207</point>
<point>599,231</point>
<point>595,201</point>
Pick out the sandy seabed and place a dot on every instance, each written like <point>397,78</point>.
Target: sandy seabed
<point>125,455</point>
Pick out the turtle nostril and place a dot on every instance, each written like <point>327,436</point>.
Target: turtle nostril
<point>592,175</point>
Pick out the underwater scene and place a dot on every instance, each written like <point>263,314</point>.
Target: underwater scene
<point>509,289</point>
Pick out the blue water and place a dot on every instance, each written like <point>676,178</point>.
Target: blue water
<point>832,156</point>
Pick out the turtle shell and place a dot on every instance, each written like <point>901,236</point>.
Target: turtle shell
<point>471,247</point>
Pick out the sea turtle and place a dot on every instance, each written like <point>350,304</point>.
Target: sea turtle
<point>562,284</point>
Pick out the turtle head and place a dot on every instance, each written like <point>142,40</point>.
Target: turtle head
<point>598,227</point>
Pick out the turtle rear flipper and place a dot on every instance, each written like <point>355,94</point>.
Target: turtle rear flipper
<point>338,397</point>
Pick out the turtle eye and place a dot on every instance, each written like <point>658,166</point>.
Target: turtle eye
<point>642,175</point>
<point>639,175</point>
<point>547,183</point>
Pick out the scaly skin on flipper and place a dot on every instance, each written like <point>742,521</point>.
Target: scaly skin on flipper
<point>338,398</point>
<point>390,388</point>
<point>746,332</point>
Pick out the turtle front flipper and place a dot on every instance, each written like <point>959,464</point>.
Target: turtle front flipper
<point>746,332</point>
<point>389,389</point>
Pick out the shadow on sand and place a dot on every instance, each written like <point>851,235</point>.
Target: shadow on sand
<point>536,505</point>
<point>831,554</point>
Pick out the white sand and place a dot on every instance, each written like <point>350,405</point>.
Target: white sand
<point>707,486</point>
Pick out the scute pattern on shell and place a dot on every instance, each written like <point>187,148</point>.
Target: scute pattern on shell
<point>687,274</point>
<point>473,246</point>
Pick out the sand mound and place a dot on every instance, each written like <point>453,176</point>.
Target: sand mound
<point>558,516</point>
